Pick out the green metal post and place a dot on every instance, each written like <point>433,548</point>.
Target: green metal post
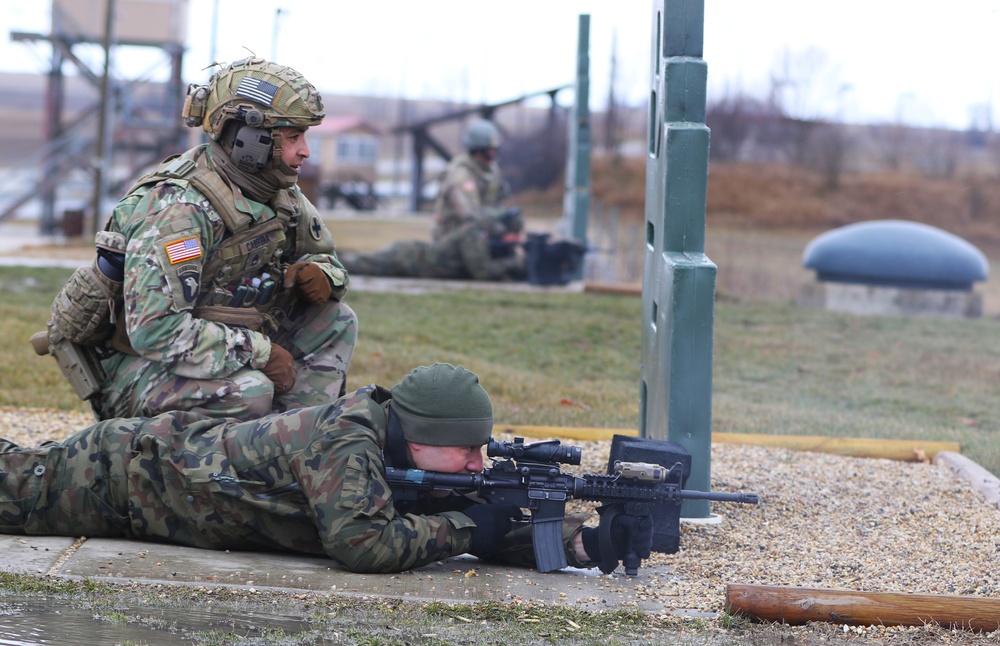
<point>576,201</point>
<point>678,292</point>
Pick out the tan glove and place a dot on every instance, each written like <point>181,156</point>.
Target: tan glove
<point>309,281</point>
<point>280,369</point>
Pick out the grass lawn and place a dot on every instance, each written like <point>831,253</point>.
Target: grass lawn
<point>573,360</point>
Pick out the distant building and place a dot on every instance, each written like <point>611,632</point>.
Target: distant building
<point>343,165</point>
<point>345,149</point>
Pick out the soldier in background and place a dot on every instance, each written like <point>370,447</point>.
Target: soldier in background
<point>473,236</point>
<point>230,290</point>
<point>472,186</point>
<point>483,248</point>
<point>310,480</point>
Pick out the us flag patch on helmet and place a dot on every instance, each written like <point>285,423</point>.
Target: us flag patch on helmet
<point>257,90</point>
<point>181,250</point>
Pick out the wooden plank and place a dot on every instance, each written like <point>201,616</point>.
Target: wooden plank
<point>860,447</point>
<point>981,480</point>
<point>793,605</point>
<point>905,450</point>
<point>622,289</point>
<point>568,432</point>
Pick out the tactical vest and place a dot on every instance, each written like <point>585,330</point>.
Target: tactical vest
<point>239,282</point>
<point>489,187</point>
<point>241,278</point>
<point>487,182</point>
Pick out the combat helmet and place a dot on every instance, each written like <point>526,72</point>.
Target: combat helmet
<point>481,135</point>
<point>256,92</point>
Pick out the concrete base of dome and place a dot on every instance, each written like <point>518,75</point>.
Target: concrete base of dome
<point>892,301</point>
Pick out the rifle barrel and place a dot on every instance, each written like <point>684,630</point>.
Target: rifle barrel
<point>721,496</point>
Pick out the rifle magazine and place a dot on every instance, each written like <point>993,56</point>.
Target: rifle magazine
<point>546,536</point>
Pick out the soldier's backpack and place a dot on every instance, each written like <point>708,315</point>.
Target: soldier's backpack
<point>83,316</point>
<point>84,310</point>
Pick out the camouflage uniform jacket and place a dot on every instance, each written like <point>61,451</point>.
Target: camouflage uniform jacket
<point>181,255</point>
<point>468,191</point>
<point>465,252</point>
<point>309,480</point>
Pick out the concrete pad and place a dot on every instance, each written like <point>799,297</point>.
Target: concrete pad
<point>892,301</point>
<point>457,580</point>
<point>36,555</point>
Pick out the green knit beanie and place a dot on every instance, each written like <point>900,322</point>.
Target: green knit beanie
<point>443,405</point>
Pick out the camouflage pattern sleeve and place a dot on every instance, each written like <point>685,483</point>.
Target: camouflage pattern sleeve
<point>308,480</point>
<point>171,229</point>
<point>458,198</point>
<point>468,190</point>
<point>342,474</point>
<point>461,194</point>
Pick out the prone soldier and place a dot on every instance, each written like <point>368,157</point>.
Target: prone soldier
<point>487,248</point>
<point>312,480</point>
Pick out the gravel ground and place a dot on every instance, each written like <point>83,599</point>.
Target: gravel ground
<point>824,521</point>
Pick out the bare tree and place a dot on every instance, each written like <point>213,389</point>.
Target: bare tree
<point>536,158</point>
<point>828,152</point>
<point>731,118</point>
<point>938,152</point>
<point>980,124</point>
<point>612,116</point>
<point>807,91</point>
<point>890,143</point>
<point>806,86</point>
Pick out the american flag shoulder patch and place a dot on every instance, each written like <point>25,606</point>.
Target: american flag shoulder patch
<point>183,249</point>
<point>257,90</point>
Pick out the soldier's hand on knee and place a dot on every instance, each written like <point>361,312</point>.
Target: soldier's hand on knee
<point>280,369</point>
<point>309,281</point>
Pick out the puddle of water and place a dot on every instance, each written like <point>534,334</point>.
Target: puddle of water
<point>36,622</point>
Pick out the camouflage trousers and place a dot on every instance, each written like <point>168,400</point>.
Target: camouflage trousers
<point>321,339</point>
<point>407,259</point>
<point>77,487</point>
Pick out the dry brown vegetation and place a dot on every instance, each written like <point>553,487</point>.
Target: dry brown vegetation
<point>778,196</point>
<point>760,218</point>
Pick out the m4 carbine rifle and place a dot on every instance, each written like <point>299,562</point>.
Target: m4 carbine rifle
<point>529,476</point>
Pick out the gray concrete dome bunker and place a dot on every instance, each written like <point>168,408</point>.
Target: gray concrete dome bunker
<point>895,253</point>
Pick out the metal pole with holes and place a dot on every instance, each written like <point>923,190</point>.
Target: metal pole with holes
<point>678,292</point>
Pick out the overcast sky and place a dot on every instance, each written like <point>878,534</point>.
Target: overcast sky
<point>866,60</point>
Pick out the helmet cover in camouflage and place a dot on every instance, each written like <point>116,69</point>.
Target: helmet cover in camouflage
<point>481,135</point>
<point>443,405</point>
<point>261,94</point>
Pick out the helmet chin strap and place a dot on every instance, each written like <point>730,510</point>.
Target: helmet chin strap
<point>283,172</point>
<point>276,143</point>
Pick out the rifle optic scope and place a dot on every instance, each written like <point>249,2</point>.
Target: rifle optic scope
<point>549,451</point>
